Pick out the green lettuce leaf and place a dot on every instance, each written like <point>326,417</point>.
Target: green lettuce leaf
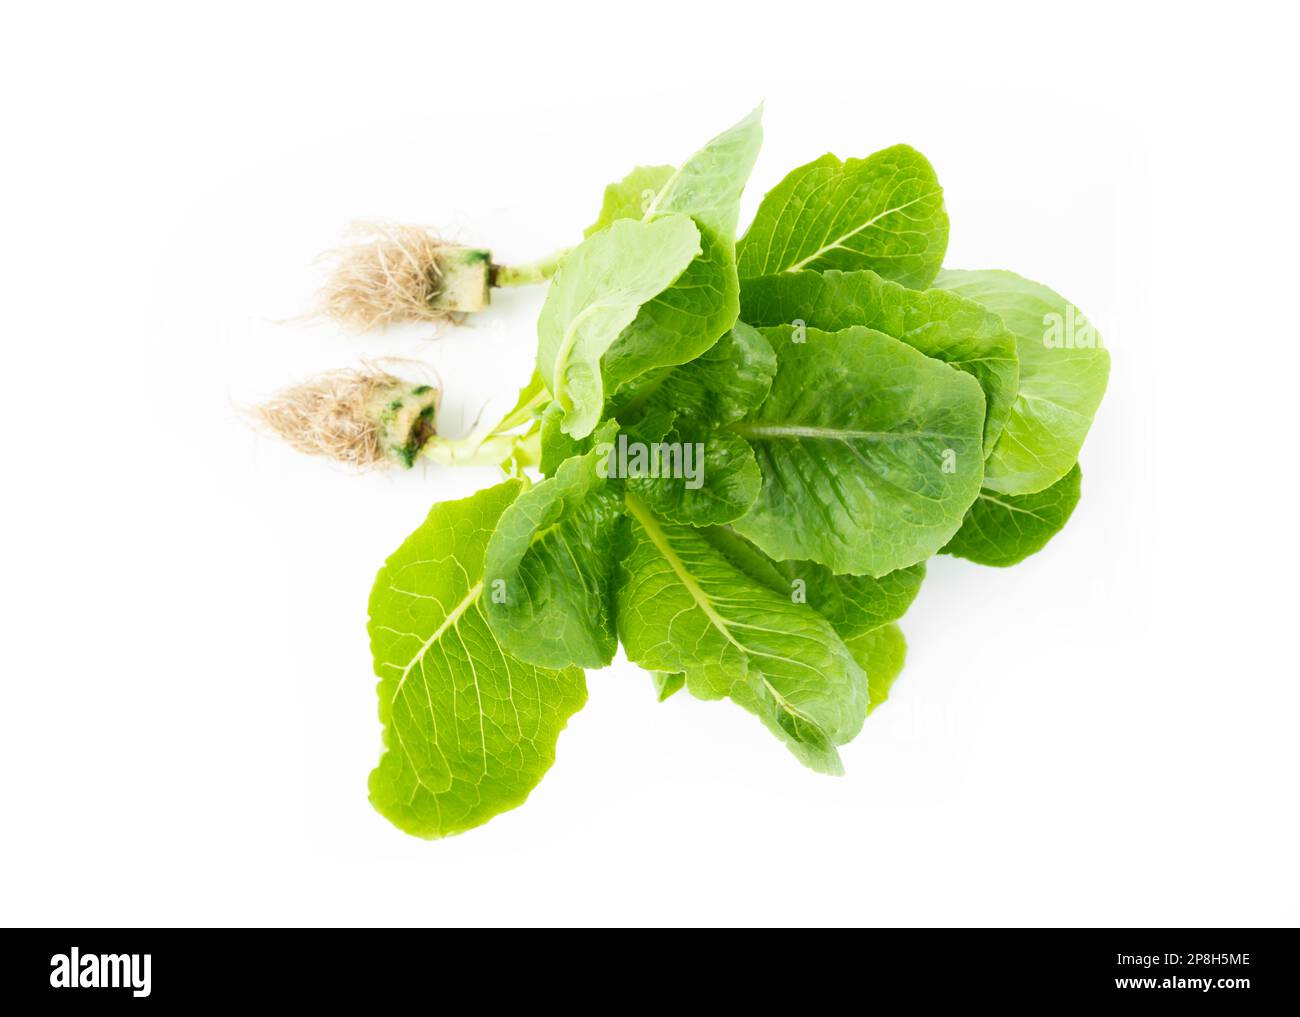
<point>549,568</point>
<point>708,185</point>
<point>468,729</point>
<point>940,324</point>
<point>532,399</point>
<point>1003,529</point>
<point>870,452</point>
<point>556,446</point>
<point>631,197</point>
<point>854,605</point>
<point>881,653</point>
<point>1060,385</point>
<point>667,684</point>
<point>724,483</point>
<point>597,291</point>
<point>717,388</point>
<point>684,406</point>
<point>884,213</point>
<point>681,322</point>
<point>683,607</point>
<point>690,316</point>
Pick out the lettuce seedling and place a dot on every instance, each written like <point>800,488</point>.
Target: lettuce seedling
<point>850,408</point>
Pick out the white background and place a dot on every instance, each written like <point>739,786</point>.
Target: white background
<point>1106,734</point>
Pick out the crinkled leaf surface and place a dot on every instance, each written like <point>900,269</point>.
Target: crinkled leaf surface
<point>722,485</point>
<point>939,323</point>
<point>719,387</point>
<point>870,452</point>
<point>690,316</point>
<point>882,653</point>
<point>683,407</point>
<point>884,213</point>
<point>1003,529</point>
<point>683,607</point>
<point>854,605</point>
<point>1060,388</point>
<point>468,729</point>
<point>597,291</point>
<point>549,568</point>
<point>631,197</point>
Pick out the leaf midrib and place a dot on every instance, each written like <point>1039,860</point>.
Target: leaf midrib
<point>702,600</point>
<point>560,381</point>
<point>827,433</point>
<point>453,616</point>
<point>660,541</point>
<point>1013,508</point>
<point>839,241</point>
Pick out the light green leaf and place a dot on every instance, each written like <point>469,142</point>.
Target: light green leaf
<point>854,605</point>
<point>884,213</point>
<point>1060,386</point>
<point>468,729</point>
<point>709,183</point>
<point>806,741</point>
<point>1003,529</point>
<point>556,446</point>
<point>682,607</point>
<point>667,684</point>
<point>533,398</point>
<point>940,324</point>
<point>690,316</point>
<point>631,197</point>
<point>681,322</point>
<point>596,292</point>
<point>881,653</point>
<point>549,568</point>
<point>870,452</point>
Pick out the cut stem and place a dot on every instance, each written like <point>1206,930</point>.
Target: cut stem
<point>529,274</point>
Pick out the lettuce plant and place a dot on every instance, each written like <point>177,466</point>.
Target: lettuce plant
<point>847,408</point>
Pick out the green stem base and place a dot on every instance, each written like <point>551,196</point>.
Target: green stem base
<point>530,274</point>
